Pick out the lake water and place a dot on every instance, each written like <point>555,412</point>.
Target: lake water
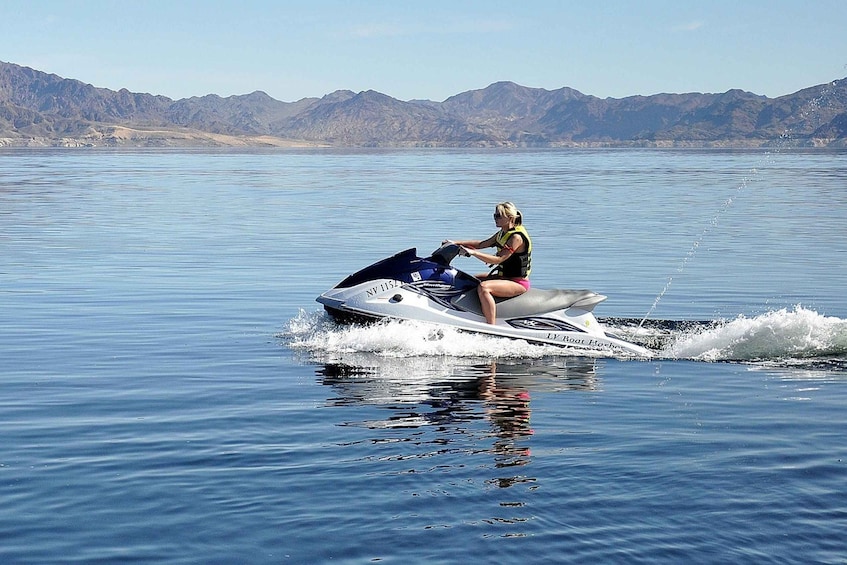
<point>170,392</point>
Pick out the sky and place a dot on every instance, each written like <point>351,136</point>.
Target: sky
<point>429,49</point>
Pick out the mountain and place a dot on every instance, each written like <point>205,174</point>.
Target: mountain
<point>251,114</point>
<point>40,109</point>
<point>373,119</point>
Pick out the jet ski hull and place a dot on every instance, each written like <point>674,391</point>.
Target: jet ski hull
<point>406,287</point>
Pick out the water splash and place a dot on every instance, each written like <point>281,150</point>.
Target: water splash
<point>797,334</point>
<point>785,336</point>
<point>317,334</point>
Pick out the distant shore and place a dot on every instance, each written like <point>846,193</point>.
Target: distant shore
<point>140,139</point>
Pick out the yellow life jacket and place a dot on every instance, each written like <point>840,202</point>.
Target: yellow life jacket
<point>519,263</point>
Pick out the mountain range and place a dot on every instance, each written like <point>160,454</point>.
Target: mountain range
<point>41,109</point>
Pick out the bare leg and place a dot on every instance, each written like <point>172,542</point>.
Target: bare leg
<point>490,288</point>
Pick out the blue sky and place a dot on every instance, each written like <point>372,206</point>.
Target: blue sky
<point>429,49</point>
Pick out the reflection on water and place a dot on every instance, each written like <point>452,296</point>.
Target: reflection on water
<point>506,406</point>
<point>454,396</point>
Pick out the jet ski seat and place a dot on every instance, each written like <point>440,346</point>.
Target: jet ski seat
<point>533,302</point>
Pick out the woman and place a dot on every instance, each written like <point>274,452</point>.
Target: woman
<point>512,262</point>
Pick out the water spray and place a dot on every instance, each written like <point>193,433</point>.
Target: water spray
<point>810,111</point>
<point>696,245</point>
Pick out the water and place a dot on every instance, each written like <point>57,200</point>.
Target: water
<point>171,393</point>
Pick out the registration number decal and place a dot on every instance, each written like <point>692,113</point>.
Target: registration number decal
<point>382,287</point>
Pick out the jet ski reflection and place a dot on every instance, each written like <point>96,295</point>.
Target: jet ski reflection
<point>451,399</point>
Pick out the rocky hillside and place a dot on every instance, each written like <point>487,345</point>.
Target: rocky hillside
<point>40,109</point>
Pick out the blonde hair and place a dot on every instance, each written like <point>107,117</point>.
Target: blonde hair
<point>509,210</point>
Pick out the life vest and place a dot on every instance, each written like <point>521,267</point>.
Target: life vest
<point>519,263</point>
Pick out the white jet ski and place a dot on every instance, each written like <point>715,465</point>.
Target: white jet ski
<point>408,287</point>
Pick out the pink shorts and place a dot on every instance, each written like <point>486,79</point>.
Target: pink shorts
<point>523,282</point>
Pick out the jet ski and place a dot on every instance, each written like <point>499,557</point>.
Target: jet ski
<point>407,287</point>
